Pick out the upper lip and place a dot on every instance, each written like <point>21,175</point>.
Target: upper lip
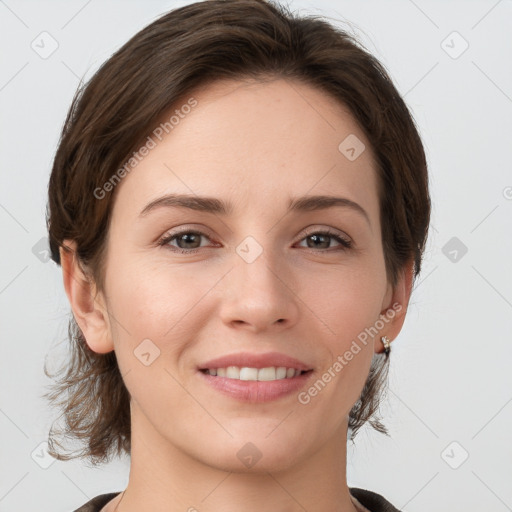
<point>248,360</point>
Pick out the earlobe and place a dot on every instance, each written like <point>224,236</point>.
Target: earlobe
<point>395,308</point>
<point>88,306</point>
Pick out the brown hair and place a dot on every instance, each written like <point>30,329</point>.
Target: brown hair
<point>113,113</point>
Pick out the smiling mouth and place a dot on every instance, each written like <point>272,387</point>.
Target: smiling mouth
<point>270,373</point>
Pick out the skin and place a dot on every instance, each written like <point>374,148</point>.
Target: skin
<point>256,145</point>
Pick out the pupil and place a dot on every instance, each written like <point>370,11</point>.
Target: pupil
<point>317,237</point>
<point>187,237</point>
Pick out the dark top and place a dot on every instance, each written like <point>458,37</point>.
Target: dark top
<point>371,500</point>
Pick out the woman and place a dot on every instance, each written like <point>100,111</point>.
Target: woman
<point>239,203</point>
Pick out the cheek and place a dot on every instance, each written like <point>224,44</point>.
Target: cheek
<point>155,310</point>
<point>159,301</point>
<point>347,306</point>
<point>346,301</point>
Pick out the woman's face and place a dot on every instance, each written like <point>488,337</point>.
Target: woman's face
<point>260,278</point>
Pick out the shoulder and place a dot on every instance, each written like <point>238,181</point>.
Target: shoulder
<point>97,503</point>
<point>372,501</point>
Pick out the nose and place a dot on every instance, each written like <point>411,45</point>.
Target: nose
<point>259,296</point>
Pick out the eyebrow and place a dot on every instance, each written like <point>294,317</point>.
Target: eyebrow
<point>217,206</point>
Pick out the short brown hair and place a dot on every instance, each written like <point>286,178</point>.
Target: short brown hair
<point>113,113</point>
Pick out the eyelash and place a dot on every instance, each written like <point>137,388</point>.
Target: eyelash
<point>346,244</point>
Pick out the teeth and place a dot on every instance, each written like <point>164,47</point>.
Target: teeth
<point>267,373</point>
<point>281,372</point>
<point>247,374</point>
<point>263,374</point>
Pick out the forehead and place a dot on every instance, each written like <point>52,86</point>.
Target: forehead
<point>251,143</point>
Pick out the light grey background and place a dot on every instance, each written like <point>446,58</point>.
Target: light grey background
<point>450,378</point>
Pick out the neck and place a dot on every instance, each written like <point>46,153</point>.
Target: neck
<point>165,478</point>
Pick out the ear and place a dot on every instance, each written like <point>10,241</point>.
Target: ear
<point>395,306</point>
<point>88,306</point>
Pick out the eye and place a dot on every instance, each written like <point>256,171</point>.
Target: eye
<point>319,237</point>
<point>184,239</point>
<point>189,241</point>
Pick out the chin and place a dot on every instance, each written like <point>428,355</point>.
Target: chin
<point>256,453</point>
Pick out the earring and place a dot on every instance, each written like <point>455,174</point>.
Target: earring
<point>386,342</point>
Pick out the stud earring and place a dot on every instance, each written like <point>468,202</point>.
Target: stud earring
<point>387,344</point>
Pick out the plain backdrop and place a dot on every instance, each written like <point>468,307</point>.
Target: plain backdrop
<point>449,404</point>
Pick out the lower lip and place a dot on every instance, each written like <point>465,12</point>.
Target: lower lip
<point>256,391</point>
